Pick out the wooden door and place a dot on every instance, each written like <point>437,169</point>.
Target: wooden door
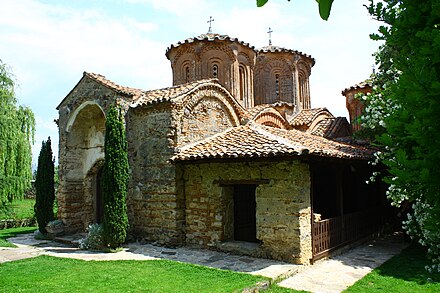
<point>245,221</point>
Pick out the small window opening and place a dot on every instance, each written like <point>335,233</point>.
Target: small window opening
<point>242,83</point>
<point>187,74</point>
<point>277,85</point>
<point>215,71</point>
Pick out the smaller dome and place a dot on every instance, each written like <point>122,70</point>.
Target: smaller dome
<point>276,49</point>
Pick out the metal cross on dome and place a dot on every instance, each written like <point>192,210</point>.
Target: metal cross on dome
<point>210,22</point>
<point>270,36</point>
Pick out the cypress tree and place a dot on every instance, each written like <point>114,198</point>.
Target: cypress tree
<point>45,187</point>
<point>115,181</point>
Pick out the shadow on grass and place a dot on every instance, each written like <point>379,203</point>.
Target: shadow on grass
<point>403,273</point>
<point>409,266</point>
<point>12,232</point>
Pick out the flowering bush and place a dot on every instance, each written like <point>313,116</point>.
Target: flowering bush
<point>402,113</point>
<point>424,226</point>
<point>94,239</point>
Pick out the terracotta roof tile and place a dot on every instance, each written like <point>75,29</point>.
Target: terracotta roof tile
<point>329,128</point>
<point>174,93</point>
<point>306,116</point>
<point>209,38</point>
<point>110,84</point>
<point>254,111</point>
<point>254,140</point>
<point>132,93</point>
<point>170,93</point>
<point>361,85</point>
<point>274,49</point>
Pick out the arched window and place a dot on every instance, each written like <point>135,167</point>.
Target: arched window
<point>215,71</point>
<point>187,75</point>
<point>277,85</point>
<point>242,75</point>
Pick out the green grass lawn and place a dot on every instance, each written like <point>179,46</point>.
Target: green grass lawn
<point>50,274</point>
<point>402,273</point>
<point>6,233</point>
<point>20,209</point>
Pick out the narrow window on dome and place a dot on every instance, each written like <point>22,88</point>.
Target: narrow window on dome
<point>215,71</point>
<point>277,85</point>
<point>242,83</point>
<point>187,74</point>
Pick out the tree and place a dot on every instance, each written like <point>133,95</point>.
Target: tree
<point>115,180</point>
<point>404,112</point>
<point>325,7</point>
<point>45,187</point>
<point>17,128</point>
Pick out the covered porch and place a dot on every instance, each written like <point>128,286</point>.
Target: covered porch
<point>345,208</point>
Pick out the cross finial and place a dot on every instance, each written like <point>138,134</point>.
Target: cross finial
<point>270,36</point>
<point>210,22</point>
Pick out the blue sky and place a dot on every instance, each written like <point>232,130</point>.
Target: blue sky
<point>49,44</point>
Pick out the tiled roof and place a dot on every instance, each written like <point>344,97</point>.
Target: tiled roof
<point>101,79</point>
<point>254,111</point>
<point>330,127</point>
<point>141,97</point>
<point>361,85</point>
<point>209,38</point>
<point>170,93</point>
<point>306,116</point>
<point>275,49</point>
<point>116,87</point>
<point>252,140</point>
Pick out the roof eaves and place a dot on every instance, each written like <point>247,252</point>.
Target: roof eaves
<point>297,148</point>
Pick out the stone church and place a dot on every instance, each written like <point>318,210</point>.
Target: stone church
<point>231,157</point>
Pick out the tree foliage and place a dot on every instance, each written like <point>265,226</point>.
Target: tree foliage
<point>17,128</point>
<point>324,6</point>
<point>115,180</point>
<point>45,187</point>
<point>403,111</point>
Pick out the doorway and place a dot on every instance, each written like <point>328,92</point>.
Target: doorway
<point>245,221</point>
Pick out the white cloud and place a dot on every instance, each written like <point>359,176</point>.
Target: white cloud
<point>179,8</point>
<point>50,45</point>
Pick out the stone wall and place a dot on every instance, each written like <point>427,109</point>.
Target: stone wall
<point>283,205</point>
<point>155,211</point>
<point>203,114</point>
<point>81,147</point>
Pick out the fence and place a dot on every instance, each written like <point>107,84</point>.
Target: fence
<point>332,233</point>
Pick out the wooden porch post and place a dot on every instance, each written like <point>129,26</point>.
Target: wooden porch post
<point>340,198</point>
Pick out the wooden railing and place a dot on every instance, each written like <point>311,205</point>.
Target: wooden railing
<point>332,233</point>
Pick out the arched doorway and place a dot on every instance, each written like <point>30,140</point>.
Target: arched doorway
<point>81,161</point>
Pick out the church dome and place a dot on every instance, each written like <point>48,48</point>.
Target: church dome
<point>215,56</point>
<point>210,37</point>
<point>277,49</point>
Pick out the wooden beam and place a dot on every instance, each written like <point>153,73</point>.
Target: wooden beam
<point>238,182</point>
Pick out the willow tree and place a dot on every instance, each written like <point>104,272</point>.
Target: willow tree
<point>17,128</point>
<point>115,180</point>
